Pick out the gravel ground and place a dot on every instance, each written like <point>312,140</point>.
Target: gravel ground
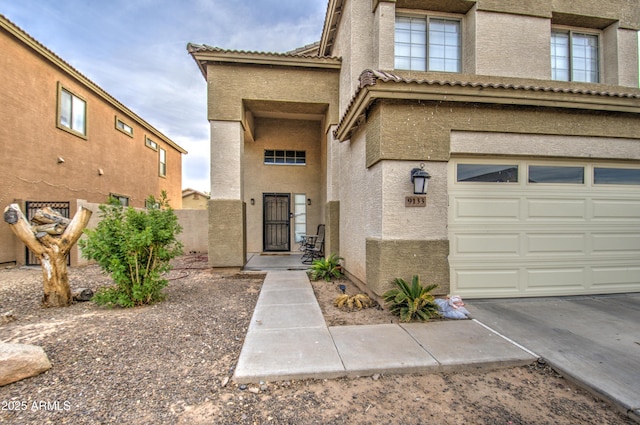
<point>173,362</point>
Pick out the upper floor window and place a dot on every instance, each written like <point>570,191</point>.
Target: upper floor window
<point>163,163</point>
<point>285,157</point>
<point>124,127</point>
<point>574,57</point>
<point>427,44</point>
<point>150,144</point>
<point>72,112</point>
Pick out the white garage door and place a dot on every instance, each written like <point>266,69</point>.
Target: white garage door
<point>531,228</point>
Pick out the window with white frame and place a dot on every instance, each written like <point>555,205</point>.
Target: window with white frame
<point>72,112</point>
<point>428,44</point>
<point>163,163</point>
<point>574,56</point>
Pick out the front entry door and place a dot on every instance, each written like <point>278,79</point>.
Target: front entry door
<point>276,222</point>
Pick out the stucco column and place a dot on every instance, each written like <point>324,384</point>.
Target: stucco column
<point>383,32</point>
<point>227,225</point>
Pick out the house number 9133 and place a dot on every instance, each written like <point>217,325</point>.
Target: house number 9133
<point>415,201</point>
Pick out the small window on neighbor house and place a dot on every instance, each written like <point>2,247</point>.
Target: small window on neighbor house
<point>163,163</point>
<point>556,174</point>
<point>124,200</point>
<point>125,128</point>
<point>621,176</point>
<point>487,173</point>
<point>574,57</point>
<point>150,144</point>
<point>285,157</point>
<point>72,112</point>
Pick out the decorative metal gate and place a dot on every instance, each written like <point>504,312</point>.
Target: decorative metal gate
<point>33,206</point>
<point>276,222</point>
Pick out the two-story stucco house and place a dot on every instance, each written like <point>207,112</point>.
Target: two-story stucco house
<point>66,141</point>
<point>525,115</point>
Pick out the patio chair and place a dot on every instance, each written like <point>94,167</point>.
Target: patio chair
<point>308,241</point>
<point>314,248</point>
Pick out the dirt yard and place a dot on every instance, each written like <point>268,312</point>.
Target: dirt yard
<point>172,363</point>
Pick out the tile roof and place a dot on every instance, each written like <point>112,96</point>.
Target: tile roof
<point>360,101</point>
<point>199,48</point>
<point>369,77</point>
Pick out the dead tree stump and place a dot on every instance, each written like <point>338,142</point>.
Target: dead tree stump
<point>50,238</point>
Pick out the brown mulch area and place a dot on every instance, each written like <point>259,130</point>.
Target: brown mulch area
<point>173,362</point>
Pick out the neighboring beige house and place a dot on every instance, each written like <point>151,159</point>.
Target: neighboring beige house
<point>194,200</point>
<point>65,141</point>
<point>526,116</point>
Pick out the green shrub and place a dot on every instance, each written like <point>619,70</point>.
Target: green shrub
<point>326,268</point>
<point>134,247</point>
<point>411,302</point>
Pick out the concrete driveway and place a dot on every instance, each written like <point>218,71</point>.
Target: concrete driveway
<point>593,340</point>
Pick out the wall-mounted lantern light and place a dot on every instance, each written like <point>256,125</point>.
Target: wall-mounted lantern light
<point>253,201</point>
<point>308,201</point>
<point>420,180</point>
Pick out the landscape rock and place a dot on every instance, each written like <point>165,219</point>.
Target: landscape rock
<point>82,294</point>
<point>7,317</point>
<point>20,361</point>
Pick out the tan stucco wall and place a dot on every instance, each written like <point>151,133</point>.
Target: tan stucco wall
<point>419,131</point>
<point>390,259</point>
<point>500,38</point>
<point>300,88</point>
<point>194,225</point>
<point>512,45</point>
<point>620,69</point>
<point>540,145</point>
<point>260,178</point>
<point>227,150</point>
<point>227,247</point>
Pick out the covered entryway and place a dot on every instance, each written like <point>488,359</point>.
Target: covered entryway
<point>538,228</point>
<point>276,232</point>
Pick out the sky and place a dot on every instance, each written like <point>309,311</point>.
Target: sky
<point>136,50</point>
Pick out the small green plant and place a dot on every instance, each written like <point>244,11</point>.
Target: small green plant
<point>134,247</point>
<point>326,268</point>
<point>411,302</point>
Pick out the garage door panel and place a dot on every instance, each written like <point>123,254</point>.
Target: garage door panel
<point>554,209</point>
<point>487,245</point>
<point>616,209</point>
<point>616,243</point>
<point>554,244</point>
<point>555,279</point>
<point>487,209</point>
<point>496,281</point>
<point>624,278</point>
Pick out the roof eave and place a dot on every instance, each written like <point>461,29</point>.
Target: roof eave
<point>445,91</point>
<point>203,55</point>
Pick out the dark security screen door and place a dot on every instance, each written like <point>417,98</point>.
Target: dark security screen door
<point>276,222</point>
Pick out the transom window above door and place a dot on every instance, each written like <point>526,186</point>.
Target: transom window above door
<point>428,44</point>
<point>284,157</point>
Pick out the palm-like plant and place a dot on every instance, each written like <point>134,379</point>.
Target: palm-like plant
<point>411,302</point>
<point>326,268</point>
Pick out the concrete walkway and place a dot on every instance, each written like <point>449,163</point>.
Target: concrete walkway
<point>289,339</point>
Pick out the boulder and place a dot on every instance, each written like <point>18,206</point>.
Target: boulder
<point>20,361</point>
